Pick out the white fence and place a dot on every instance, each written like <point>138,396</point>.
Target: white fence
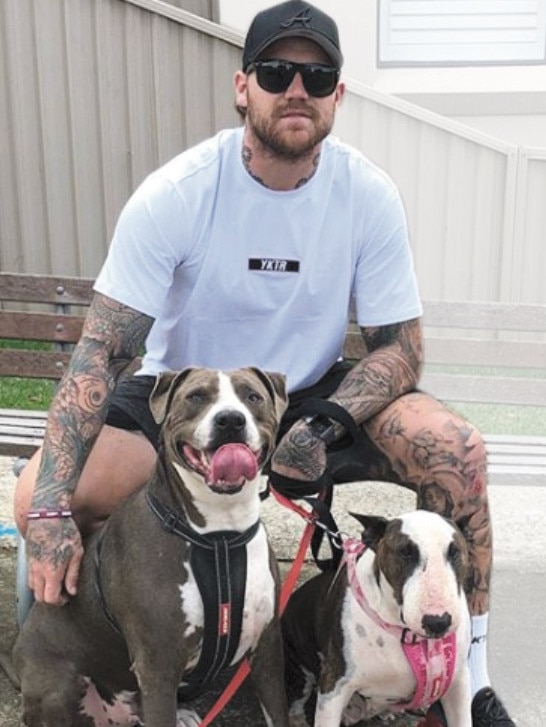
<point>94,94</point>
<point>476,205</point>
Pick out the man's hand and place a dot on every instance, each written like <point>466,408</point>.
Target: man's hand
<point>301,454</point>
<point>54,553</point>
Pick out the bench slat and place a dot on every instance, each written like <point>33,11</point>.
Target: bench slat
<point>467,352</point>
<point>63,290</point>
<point>517,460</point>
<point>353,347</point>
<point>24,414</point>
<point>33,364</point>
<point>507,449</point>
<point>522,439</point>
<point>517,464</point>
<point>519,478</point>
<point>22,420</point>
<point>22,431</point>
<point>472,352</point>
<point>14,446</point>
<point>40,327</point>
<point>486,315</point>
<point>497,390</point>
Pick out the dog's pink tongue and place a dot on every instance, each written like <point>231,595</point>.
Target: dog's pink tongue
<point>233,463</point>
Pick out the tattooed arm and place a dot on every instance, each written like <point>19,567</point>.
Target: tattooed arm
<point>112,336</point>
<point>390,367</point>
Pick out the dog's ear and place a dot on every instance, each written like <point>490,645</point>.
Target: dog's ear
<point>276,385</point>
<point>164,388</point>
<point>374,528</point>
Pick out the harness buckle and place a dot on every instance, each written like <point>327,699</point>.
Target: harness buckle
<point>169,521</point>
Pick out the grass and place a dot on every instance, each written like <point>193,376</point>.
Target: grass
<point>497,419</point>
<point>16,393</point>
<point>25,393</point>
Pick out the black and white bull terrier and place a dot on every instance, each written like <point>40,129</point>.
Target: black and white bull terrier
<point>180,582</point>
<point>389,631</point>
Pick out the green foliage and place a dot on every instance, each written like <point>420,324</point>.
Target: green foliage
<point>17,393</point>
<point>26,345</point>
<point>504,419</point>
<point>25,393</point>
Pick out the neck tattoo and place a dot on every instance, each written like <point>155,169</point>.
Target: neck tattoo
<point>247,159</point>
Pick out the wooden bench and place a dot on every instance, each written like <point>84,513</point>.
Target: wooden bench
<point>44,308</point>
<point>467,345</point>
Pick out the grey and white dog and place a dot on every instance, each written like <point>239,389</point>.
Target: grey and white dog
<point>131,640</point>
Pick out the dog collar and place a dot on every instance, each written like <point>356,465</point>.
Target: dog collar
<point>431,660</point>
<point>173,523</point>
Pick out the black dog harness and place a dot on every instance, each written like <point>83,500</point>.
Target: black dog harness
<point>219,565</point>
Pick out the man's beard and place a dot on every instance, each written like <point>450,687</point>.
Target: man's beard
<point>284,144</point>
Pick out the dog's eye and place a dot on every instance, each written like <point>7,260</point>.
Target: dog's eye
<point>409,552</point>
<point>453,553</point>
<point>253,397</point>
<point>197,395</point>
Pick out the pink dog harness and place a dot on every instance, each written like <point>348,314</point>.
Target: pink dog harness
<point>432,660</point>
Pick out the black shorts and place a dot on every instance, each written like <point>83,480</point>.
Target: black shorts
<point>130,409</point>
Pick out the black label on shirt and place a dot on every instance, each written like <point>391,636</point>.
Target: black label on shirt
<point>274,265</point>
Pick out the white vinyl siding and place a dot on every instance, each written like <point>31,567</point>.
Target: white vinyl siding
<point>461,32</point>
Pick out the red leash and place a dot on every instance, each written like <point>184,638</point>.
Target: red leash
<point>287,587</point>
<point>294,572</point>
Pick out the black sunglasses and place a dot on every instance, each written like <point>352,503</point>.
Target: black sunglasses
<point>275,76</point>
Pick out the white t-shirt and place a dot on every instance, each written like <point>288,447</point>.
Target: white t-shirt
<point>236,274</point>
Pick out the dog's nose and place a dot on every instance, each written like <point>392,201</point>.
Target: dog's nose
<point>436,626</point>
<point>230,420</point>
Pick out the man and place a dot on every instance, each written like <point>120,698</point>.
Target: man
<point>246,250</point>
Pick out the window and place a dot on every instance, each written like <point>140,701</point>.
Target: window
<point>461,32</point>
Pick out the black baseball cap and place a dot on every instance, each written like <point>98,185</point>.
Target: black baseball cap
<point>294,18</point>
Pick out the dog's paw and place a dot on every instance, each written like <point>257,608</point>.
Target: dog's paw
<point>187,718</point>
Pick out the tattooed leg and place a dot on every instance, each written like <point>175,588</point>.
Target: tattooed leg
<point>442,458</point>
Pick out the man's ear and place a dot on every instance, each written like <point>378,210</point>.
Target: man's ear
<point>162,393</point>
<point>240,83</point>
<point>340,93</point>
